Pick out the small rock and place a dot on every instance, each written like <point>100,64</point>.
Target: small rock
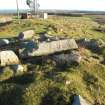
<point>4,42</point>
<point>67,82</point>
<point>17,68</point>
<point>26,35</point>
<point>103,62</point>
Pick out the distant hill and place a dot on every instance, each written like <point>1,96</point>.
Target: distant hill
<point>52,11</point>
<point>12,11</point>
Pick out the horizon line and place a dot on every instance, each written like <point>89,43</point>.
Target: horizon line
<point>59,10</point>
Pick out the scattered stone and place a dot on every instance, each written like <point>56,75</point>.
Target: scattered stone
<point>73,57</point>
<point>8,58</point>
<point>26,35</point>
<point>94,44</point>
<point>4,20</point>
<point>17,68</point>
<point>103,62</point>
<point>43,37</point>
<point>91,43</point>
<point>83,42</point>
<point>47,38</point>
<point>78,100</point>
<point>4,42</point>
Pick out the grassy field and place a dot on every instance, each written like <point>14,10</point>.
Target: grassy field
<point>47,85</point>
<point>76,27</point>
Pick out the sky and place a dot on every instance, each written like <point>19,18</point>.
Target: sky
<point>93,5</point>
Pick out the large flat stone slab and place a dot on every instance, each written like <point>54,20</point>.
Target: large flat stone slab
<point>46,48</point>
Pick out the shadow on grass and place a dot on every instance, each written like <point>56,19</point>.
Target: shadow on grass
<point>11,94</point>
<point>4,24</point>
<point>21,79</point>
<point>90,79</point>
<point>56,96</point>
<point>12,90</point>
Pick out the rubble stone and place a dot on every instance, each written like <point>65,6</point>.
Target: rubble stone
<point>8,58</point>
<point>26,35</point>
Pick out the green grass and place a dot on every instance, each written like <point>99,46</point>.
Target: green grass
<point>47,84</point>
<point>75,27</point>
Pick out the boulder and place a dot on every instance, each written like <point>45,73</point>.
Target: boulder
<point>70,58</point>
<point>78,100</point>
<point>8,58</point>
<point>26,35</point>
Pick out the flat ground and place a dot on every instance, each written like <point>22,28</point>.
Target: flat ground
<point>48,85</point>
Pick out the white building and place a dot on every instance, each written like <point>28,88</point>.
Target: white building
<point>45,15</point>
